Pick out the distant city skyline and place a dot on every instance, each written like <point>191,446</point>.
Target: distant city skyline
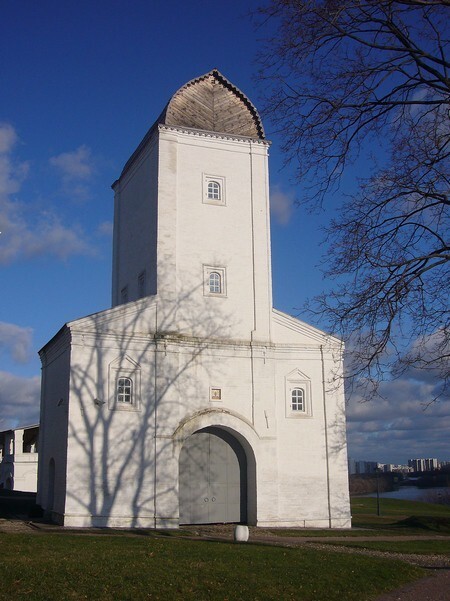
<point>419,464</point>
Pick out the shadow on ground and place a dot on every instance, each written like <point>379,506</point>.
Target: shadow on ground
<point>15,505</point>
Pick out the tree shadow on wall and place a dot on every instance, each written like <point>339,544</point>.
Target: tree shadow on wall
<point>122,464</point>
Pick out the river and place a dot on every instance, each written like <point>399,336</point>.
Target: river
<point>413,493</point>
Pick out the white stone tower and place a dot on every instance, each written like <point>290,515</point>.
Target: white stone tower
<point>192,201</point>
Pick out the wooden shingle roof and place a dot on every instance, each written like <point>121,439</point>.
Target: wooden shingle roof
<point>209,103</point>
<point>212,103</point>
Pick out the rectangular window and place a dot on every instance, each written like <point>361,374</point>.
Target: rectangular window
<point>125,390</point>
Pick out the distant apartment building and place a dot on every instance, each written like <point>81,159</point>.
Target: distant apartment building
<point>394,468</point>
<point>362,467</point>
<point>423,465</point>
<point>19,458</point>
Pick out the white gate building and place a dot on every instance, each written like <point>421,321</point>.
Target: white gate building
<point>192,400</point>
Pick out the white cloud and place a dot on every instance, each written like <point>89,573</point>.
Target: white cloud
<point>8,137</point>
<point>25,233</point>
<point>397,427</point>
<point>11,174</point>
<point>74,165</point>
<point>47,236</point>
<point>281,206</point>
<point>105,228</point>
<point>76,169</point>
<point>19,400</point>
<point>16,341</point>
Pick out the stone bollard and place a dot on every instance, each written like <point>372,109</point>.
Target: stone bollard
<point>241,534</point>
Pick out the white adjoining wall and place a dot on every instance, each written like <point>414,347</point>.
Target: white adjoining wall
<point>19,459</point>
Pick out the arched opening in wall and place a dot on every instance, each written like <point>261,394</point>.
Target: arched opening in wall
<point>51,485</point>
<point>213,480</point>
<point>9,483</point>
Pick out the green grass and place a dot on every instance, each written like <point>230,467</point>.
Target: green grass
<point>400,517</point>
<point>420,547</point>
<point>72,567</point>
<point>397,518</point>
<point>394,508</point>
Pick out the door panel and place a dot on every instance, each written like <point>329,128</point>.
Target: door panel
<point>212,479</point>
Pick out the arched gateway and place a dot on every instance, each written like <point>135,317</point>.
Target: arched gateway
<point>212,478</point>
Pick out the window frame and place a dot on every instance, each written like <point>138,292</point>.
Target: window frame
<point>218,180</point>
<point>214,190</point>
<point>215,282</point>
<point>124,368</point>
<point>124,390</point>
<point>208,271</point>
<point>298,400</point>
<point>298,381</point>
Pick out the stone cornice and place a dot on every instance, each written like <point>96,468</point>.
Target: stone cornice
<point>212,134</point>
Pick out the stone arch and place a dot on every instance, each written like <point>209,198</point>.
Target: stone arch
<point>228,434</point>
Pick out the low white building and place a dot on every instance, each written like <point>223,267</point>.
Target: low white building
<point>192,400</point>
<point>19,458</point>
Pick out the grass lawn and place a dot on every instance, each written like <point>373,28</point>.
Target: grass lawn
<point>397,518</point>
<point>421,547</point>
<point>66,566</point>
<point>365,509</point>
<point>400,517</point>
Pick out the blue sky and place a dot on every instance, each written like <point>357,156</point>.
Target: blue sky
<point>81,82</point>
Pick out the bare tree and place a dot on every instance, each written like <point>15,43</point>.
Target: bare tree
<point>366,83</point>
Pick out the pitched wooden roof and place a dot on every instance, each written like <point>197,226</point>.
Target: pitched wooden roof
<point>210,102</point>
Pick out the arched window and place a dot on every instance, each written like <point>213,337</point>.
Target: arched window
<point>215,283</point>
<point>214,191</point>
<point>124,393</point>
<point>298,399</point>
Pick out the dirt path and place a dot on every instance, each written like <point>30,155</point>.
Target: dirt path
<point>433,588</point>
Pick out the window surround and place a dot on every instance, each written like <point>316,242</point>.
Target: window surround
<point>124,384</point>
<point>214,190</point>
<point>298,403</point>
<point>214,281</point>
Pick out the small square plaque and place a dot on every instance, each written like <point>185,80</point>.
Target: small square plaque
<point>216,394</point>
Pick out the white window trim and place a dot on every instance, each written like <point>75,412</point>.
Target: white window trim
<point>297,379</point>
<point>221,181</point>
<point>207,271</point>
<point>125,368</point>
